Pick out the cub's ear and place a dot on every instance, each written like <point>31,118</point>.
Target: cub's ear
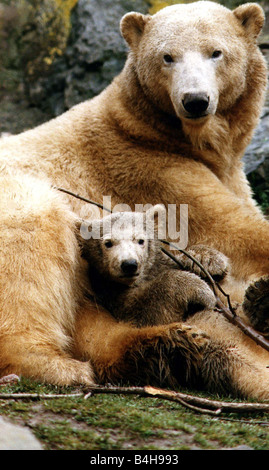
<point>132,27</point>
<point>252,17</point>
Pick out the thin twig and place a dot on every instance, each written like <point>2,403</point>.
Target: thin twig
<point>219,406</point>
<point>37,396</point>
<point>201,405</point>
<point>77,196</point>
<point>149,391</point>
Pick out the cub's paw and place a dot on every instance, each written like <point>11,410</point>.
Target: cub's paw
<point>187,295</point>
<point>198,294</point>
<point>256,305</point>
<point>216,263</point>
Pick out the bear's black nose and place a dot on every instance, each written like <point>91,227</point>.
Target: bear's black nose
<point>195,104</point>
<point>129,267</point>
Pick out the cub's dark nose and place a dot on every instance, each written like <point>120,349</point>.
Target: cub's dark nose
<point>195,104</point>
<point>129,267</point>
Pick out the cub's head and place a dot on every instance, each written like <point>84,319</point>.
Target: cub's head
<point>121,246</point>
<point>195,60</point>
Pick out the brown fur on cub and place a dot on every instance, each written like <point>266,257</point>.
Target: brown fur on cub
<point>136,281</point>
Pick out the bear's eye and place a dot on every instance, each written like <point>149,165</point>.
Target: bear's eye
<point>168,59</point>
<point>108,244</point>
<point>216,54</point>
<point>141,242</point>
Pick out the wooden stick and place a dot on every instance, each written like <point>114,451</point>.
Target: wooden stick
<point>204,402</point>
<point>150,391</point>
<point>174,396</point>
<point>38,396</point>
<point>202,405</point>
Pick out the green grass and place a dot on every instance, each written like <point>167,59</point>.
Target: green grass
<point>119,422</point>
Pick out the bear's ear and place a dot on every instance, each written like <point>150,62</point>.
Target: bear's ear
<point>132,27</point>
<point>252,17</point>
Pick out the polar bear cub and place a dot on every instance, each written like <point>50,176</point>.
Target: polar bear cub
<point>135,280</point>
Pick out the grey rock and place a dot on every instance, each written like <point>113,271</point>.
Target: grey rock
<point>256,158</point>
<point>258,151</point>
<point>96,53</point>
<point>13,437</point>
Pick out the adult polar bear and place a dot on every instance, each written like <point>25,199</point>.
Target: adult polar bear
<point>171,129</point>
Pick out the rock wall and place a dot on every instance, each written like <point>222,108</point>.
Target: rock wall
<point>95,54</point>
<point>256,158</point>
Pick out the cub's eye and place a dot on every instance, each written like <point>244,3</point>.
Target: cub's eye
<point>108,244</point>
<point>216,54</point>
<point>141,242</point>
<point>168,59</point>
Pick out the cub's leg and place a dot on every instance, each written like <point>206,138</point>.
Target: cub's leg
<point>163,355</point>
<point>40,283</point>
<point>216,263</point>
<point>256,305</point>
<point>172,296</point>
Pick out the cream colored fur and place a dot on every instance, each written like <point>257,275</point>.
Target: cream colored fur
<point>133,143</point>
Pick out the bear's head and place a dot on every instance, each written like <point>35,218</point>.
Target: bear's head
<point>122,245</point>
<point>193,60</point>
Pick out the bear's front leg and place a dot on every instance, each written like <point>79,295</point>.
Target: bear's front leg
<point>41,283</point>
<point>27,354</point>
<point>165,355</point>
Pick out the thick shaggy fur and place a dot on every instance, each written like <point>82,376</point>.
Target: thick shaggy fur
<point>135,143</point>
